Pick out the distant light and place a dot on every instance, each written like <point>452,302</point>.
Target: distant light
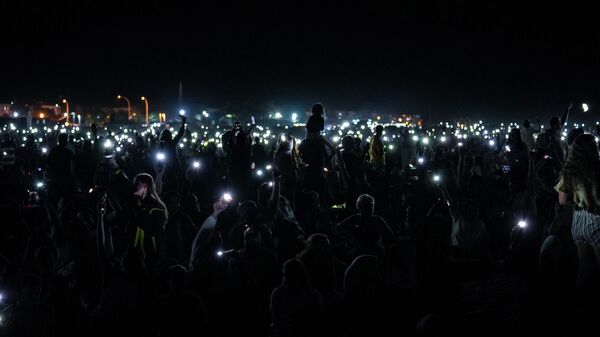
<point>181,112</point>
<point>420,160</point>
<point>16,114</point>
<point>425,140</point>
<point>39,184</point>
<point>507,148</point>
<point>294,116</point>
<point>42,115</point>
<point>460,144</point>
<point>391,147</point>
<point>436,178</point>
<point>64,100</point>
<point>443,139</point>
<point>269,167</point>
<point>196,164</point>
<point>119,149</point>
<point>108,144</point>
<point>278,115</point>
<point>415,138</point>
<point>336,139</point>
<point>44,150</point>
<point>259,173</point>
<point>270,184</point>
<point>227,197</point>
<point>585,107</point>
<point>522,224</point>
<point>283,138</point>
<point>492,142</point>
<point>160,156</point>
<point>219,253</point>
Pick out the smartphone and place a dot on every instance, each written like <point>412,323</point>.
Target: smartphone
<point>505,169</point>
<point>252,120</point>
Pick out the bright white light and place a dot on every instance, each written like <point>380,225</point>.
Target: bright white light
<point>270,184</point>
<point>415,138</point>
<point>391,147</point>
<point>219,253</point>
<point>181,112</point>
<point>269,167</point>
<point>522,224</point>
<point>108,144</point>
<point>425,140</point>
<point>16,114</point>
<point>436,178</point>
<point>44,150</point>
<point>227,197</point>
<point>443,139</point>
<point>507,148</point>
<point>346,124</point>
<point>278,115</point>
<point>196,164</point>
<point>336,139</point>
<point>160,156</point>
<point>294,116</point>
<point>585,107</point>
<point>259,173</point>
<point>420,160</point>
<point>119,149</point>
<point>39,184</point>
<point>492,142</point>
<point>460,144</point>
<point>283,138</point>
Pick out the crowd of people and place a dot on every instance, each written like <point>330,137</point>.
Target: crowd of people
<point>352,237</point>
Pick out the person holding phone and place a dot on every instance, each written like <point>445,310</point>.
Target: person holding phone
<point>168,146</point>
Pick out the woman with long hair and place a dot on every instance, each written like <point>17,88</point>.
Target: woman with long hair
<point>580,184</point>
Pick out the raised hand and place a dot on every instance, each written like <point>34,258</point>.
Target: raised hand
<point>219,206</point>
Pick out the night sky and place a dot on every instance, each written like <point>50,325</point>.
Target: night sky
<point>462,59</point>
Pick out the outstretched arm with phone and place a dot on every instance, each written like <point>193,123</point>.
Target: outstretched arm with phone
<point>204,235</point>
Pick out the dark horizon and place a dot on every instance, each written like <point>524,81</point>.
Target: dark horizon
<point>478,60</point>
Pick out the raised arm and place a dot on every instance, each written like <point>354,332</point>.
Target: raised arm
<point>181,131</point>
<point>205,232</point>
<point>565,116</point>
<point>103,235</point>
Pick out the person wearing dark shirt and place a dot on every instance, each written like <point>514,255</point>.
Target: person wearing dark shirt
<point>149,220</point>
<point>168,146</point>
<point>365,231</point>
<point>182,312</point>
<point>316,122</point>
<point>313,153</point>
<point>295,305</point>
<point>60,167</point>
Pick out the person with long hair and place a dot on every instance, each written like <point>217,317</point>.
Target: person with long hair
<point>150,218</point>
<point>580,184</point>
